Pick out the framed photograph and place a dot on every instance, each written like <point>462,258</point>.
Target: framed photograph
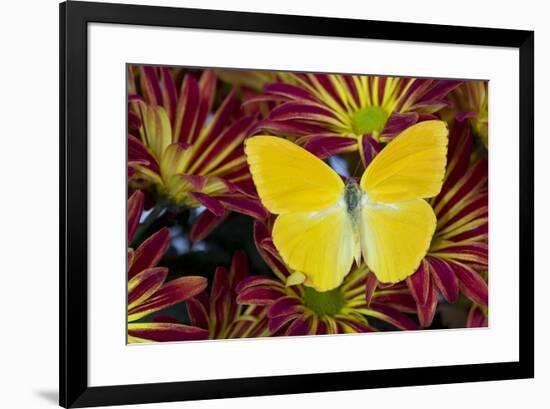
<point>256,204</point>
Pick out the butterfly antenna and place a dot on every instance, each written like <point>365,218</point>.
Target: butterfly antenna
<point>356,168</point>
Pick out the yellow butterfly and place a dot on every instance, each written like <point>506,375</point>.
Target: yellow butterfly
<point>324,224</point>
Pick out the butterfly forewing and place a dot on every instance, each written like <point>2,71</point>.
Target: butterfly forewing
<point>412,166</point>
<point>289,178</point>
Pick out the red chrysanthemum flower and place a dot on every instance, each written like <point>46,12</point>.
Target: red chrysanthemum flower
<point>331,113</point>
<point>477,317</point>
<point>471,104</point>
<point>147,290</point>
<point>183,151</point>
<point>219,313</point>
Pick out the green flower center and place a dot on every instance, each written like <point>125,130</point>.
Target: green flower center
<point>324,303</point>
<point>368,120</point>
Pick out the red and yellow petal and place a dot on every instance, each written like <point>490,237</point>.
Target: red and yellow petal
<point>164,332</point>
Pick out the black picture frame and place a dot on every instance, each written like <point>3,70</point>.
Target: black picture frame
<point>73,378</point>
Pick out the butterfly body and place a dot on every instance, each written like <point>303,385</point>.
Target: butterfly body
<point>324,224</point>
<point>353,200</point>
<point>352,196</point>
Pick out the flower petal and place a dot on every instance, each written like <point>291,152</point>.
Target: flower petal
<point>300,326</point>
<point>134,122</point>
<point>219,147</point>
<point>165,332</point>
<point>239,268</point>
<point>250,207</point>
<point>259,295</point>
<point>168,92</point>
<point>187,110</point>
<point>400,300</point>
<point>444,278</point>
<point>276,323</point>
<point>326,146</point>
<point>143,285</point>
<point>288,91</point>
<point>391,316</point>
<point>220,284</point>
<point>212,204</point>
<point>471,284</point>
<point>219,121</point>
<point>197,310</point>
<point>431,106</point>
<point>370,287</point>
<point>397,123</point>
<point>138,153</point>
<point>285,306</point>
<point>349,325</point>
<point>471,253</point>
<point>255,281</point>
<point>207,92</point>
<point>171,293</point>
<point>476,318</point>
<point>130,257</point>
<point>462,116</point>
<point>290,127</point>
<point>174,159</point>
<point>149,253</point>
<point>157,130</point>
<point>368,148</point>
<point>302,111</point>
<point>135,208</point>
<point>440,89</point>
<point>204,224</point>
<point>150,85</point>
<point>426,311</point>
<point>419,283</point>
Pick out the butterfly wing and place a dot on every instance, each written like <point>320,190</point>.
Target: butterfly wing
<point>289,178</point>
<point>322,245</point>
<point>397,225</point>
<point>395,238</point>
<point>313,232</point>
<point>411,166</point>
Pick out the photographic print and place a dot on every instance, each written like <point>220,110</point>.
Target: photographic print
<point>267,204</point>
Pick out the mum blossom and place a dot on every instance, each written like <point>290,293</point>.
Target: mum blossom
<point>459,248</point>
<point>185,153</point>
<point>332,113</point>
<point>471,104</point>
<point>477,317</point>
<point>251,79</point>
<point>301,310</point>
<point>218,311</point>
<point>148,291</point>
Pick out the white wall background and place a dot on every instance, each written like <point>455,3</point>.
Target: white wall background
<point>29,202</point>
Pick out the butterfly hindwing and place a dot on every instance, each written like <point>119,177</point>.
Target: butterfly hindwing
<point>395,238</point>
<point>319,244</point>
